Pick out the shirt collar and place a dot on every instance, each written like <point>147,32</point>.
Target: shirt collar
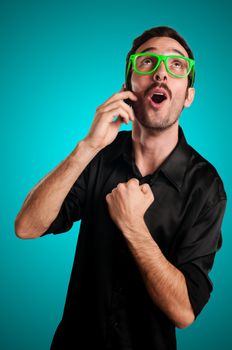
<point>173,168</point>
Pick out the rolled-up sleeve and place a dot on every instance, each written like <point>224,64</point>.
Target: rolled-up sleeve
<point>72,208</point>
<point>196,253</point>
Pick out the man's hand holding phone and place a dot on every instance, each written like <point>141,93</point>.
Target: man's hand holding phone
<point>104,128</point>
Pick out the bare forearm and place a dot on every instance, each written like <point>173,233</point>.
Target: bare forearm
<point>44,201</point>
<point>165,283</point>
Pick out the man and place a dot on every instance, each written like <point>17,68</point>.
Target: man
<point>151,210</point>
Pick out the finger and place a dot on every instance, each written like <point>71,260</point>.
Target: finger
<point>116,104</point>
<point>133,181</point>
<point>123,95</point>
<point>119,112</point>
<point>115,112</point>
<point>117,122</point>
<point>144,188</point>
<point>108,197</point>
<point>120,185</point>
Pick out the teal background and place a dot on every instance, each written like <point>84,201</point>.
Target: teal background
<point>59,61</point>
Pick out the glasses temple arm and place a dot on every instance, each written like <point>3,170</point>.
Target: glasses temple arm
<point>128,68</point>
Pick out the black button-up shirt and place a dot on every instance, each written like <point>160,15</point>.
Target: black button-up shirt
<point>107,305</point>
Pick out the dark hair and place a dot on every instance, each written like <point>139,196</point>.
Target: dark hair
<point>158,32</point>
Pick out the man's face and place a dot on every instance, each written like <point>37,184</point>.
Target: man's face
<point>160,116</point>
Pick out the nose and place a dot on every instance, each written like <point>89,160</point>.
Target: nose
<point>160,74</point>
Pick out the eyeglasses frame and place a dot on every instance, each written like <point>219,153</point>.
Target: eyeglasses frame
<point>133,57</point>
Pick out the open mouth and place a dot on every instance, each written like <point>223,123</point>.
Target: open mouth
<point>158,97</point>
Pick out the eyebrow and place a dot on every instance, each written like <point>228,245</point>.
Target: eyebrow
<point>155,48</point>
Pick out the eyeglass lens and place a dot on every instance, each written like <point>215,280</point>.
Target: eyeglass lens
<point>176,65</point>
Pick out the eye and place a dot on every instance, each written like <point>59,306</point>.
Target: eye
<point>146,61</point>
<point>177,64</point>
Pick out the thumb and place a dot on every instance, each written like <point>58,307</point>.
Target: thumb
<point>144,188</point>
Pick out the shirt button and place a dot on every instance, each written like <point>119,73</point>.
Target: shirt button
<point>115,324</point>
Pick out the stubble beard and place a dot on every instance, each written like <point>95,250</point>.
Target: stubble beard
<point>150,120</point>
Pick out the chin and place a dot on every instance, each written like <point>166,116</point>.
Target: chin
<point>159,126</point>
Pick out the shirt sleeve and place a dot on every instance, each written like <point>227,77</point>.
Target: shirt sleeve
<point>196,253</point>
<point>73,206</point>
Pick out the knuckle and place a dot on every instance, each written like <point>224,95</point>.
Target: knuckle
<point>108,196</point>
<point>120,186</point>
<point>99,110</point>
<point>133,181</point>
<point>122,110</point>
<point>100,106</point>
<point>120,102</point>
<point>124,105</point>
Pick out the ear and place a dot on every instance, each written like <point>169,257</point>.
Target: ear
<point>189,97</point>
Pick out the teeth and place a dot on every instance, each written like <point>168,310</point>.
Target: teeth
<point>159,94</point>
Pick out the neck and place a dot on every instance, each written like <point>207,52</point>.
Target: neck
<point>152,147</point>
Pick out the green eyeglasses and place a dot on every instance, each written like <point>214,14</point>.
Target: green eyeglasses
<point>147,63</point>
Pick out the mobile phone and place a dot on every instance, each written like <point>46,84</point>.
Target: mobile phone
<point>129,102</point>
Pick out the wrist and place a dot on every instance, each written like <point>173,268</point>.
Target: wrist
<point>91,146</point>
<point>84,148</point>
<point>138,229</point>
<point>82,154</point>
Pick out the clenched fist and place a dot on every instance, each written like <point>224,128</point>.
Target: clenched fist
<point>128,202</point>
